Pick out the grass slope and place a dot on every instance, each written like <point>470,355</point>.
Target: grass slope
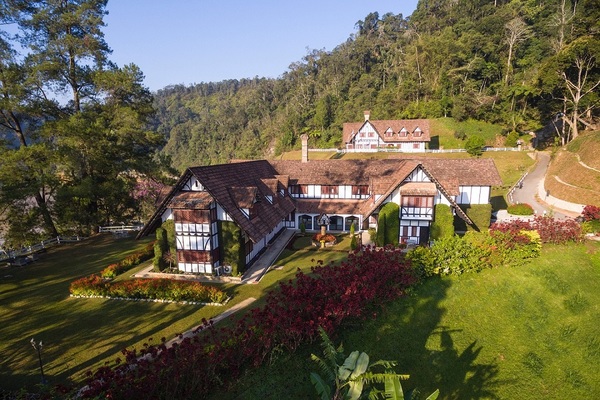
<point>82,334</point>
<point>509,333</point>
<point>567,179</point>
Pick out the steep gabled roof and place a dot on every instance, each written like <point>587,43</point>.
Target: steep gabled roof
<point>350,129</point>
<point>243,185</point>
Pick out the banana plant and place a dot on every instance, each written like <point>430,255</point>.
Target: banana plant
<point>352,377</point>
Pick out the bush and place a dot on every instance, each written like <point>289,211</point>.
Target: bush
<point>475,252</point>
<point>511,139</point>
<point>520,209</point>
<point>591,212</point>
<point>592,226</point>
<point>443,222</point>
<point>474,145</point>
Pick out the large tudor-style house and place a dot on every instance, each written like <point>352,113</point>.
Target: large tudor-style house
<point>264,197</point>
<point>405,135</point>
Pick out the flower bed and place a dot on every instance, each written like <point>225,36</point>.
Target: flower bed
<point>328,239</point>
<point>329,297</point>
<point>128,262</point>
<point>152,289</point>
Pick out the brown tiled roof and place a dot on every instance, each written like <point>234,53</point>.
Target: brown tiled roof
<point>243,197</point>
<point>419,189</point>
<point>378,173</point>
<point>330,206</point>
<point>236,185</point>
<point>350,129</point>
<point>467,172</point>
<point>190,200</point>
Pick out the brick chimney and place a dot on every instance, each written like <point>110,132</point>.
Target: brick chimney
<point>304,138</point>
<point>367,115</point>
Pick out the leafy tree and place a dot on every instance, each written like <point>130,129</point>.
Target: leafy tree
<point>574,76</point>
<point>80,160</point>
<point>352,377</point>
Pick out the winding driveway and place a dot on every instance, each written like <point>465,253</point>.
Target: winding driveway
<point>533,184</point>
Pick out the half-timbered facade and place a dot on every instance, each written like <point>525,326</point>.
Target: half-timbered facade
<point>406,135</point>
<point>265,197</point>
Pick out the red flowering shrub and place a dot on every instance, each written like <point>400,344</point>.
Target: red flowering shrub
<point>330,297</point>
<point>591,213</point>
<point>165,289</point>
<point>551,230</point>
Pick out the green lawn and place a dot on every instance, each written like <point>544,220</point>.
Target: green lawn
<point>79,334</point>
<point>509,333</point>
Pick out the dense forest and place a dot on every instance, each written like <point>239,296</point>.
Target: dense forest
<point>84,143</point>
<point>519,63</point>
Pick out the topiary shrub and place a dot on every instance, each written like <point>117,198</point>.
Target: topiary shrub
<point>232,247</point>
<point>520,209</point>
<point>388,225</point>
<point>353,243</point>
<point>169,227</point>
<point>443,222</point>
<point>161,246</point>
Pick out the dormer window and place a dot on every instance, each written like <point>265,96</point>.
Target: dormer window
<point>269,199</point>
<point>403,132</point>
<point>389,132</point>
<point>417,132</point>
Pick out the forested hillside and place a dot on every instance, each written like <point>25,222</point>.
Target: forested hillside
<point>518,63</point>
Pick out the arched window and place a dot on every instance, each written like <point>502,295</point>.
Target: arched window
<point>336,223</point>
<point>307,220</point>
<point>349,221</point>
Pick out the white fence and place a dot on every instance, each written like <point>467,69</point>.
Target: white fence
<point>120,228</point>
<point>35,248</point>
<point>397,150</point>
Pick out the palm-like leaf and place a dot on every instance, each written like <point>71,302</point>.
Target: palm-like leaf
<point>323,389</point>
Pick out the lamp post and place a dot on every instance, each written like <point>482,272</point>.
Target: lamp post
<point>38,349</point>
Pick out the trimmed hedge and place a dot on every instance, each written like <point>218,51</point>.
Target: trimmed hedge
<point>388,225</point>
<point>480,214</point>
<point>443,222</point>
<point>520,209</point>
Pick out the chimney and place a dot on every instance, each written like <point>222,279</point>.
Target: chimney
<point>304,138</point>
<point>367,115</point>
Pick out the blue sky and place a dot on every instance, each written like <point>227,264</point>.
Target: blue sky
<point>186,42</point>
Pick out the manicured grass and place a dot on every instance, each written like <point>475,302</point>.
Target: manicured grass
<point>509,333</point>
<point>79,334</point>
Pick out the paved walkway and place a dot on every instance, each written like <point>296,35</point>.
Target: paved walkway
<point>533,192</point>
<point>265,261</point>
